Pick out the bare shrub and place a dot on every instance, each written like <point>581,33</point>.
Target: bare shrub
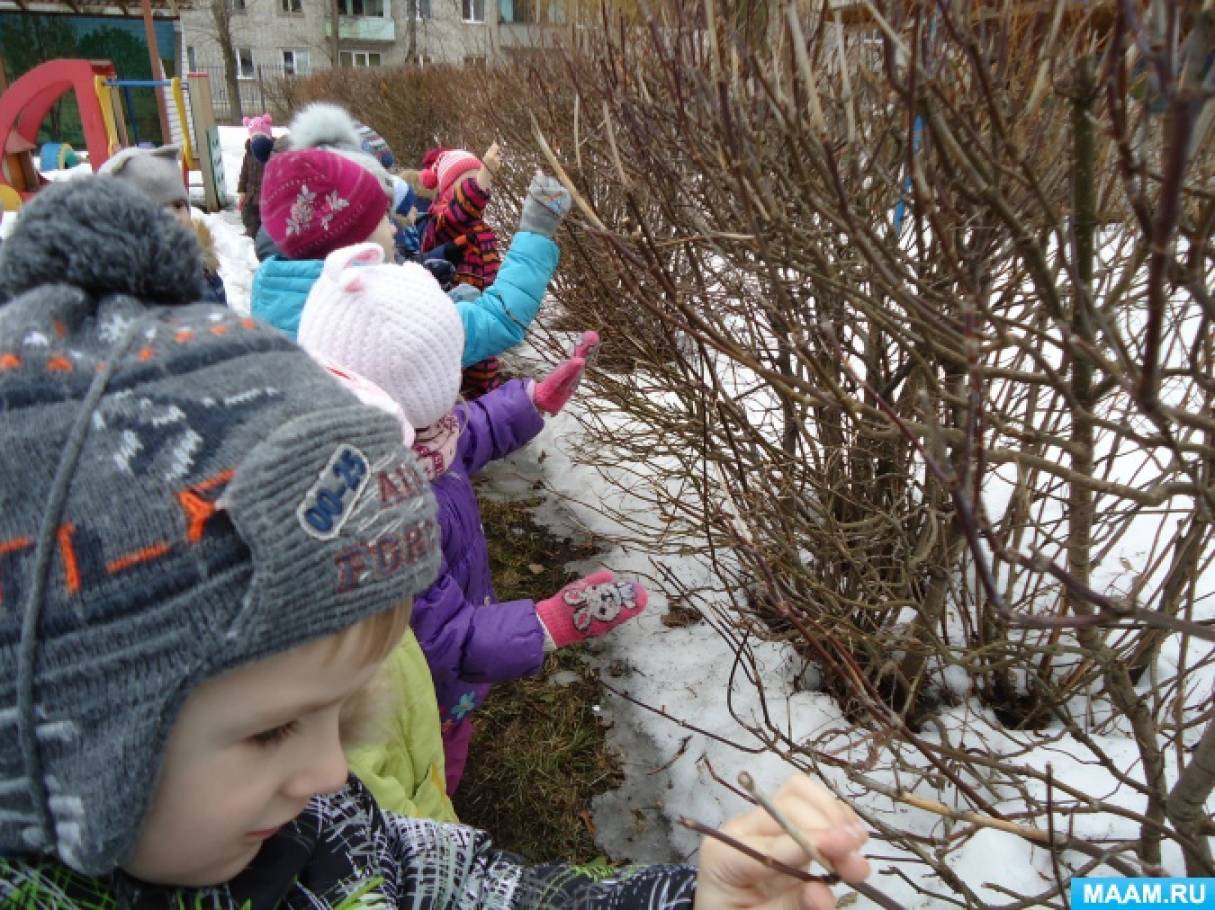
<point>909,318</point>
<point>412,108</point>
<point>916,317</point>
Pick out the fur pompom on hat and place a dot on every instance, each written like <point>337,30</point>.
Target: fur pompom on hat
<point>185,492</point>
<point>391,324</point>
<point>322,125</point>
<point>155,172</point>
<point>259,126</point>
<point>102,236</point>
<point>448,168</point>
<point>315,202</point>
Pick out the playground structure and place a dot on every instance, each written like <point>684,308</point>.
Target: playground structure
<point>99,95</point>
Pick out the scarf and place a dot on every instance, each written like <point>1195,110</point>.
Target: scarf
<point>435,445</point>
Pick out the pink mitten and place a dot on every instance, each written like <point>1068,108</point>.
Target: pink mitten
<point>551,394</point>
<point>590,607</point>
<point>587,346</point>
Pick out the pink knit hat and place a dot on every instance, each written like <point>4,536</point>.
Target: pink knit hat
<point>449,167</point>
<point>259,126</point>
<point>315,202</point>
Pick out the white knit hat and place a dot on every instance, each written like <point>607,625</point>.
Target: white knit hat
<point>391,324</point>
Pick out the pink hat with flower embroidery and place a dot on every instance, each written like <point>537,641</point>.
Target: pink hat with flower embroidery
<point>315,202</point>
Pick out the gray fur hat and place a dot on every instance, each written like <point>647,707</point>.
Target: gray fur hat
<point>103,237</point>
<point>183,491</point>
<point>322,125</point>
<point>156,172</point>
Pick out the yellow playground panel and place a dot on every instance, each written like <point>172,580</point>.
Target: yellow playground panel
<point>113,113</point>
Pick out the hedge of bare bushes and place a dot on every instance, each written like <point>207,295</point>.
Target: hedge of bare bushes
<point>913,311</point>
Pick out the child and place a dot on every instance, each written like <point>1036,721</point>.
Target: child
<point>249,185</point>
<point>392,325</point>
<point>157,174</point>
<point>201,569</point>
<point>405,217</point>
<point>462,183</point>
<point>315,201</point>
<point>375,145</point>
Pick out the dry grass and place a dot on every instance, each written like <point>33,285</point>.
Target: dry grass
<point>539,752</point>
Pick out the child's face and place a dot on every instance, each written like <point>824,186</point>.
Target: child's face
<point>180,209</point>
<point>385,236</point>
<point>248,751</point>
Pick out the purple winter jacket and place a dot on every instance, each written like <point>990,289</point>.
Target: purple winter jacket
<point>469,638</point>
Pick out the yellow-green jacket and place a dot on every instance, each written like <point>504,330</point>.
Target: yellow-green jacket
<point>404,769</point>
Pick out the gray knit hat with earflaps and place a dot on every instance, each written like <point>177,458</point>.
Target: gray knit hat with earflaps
<point>183,491</point>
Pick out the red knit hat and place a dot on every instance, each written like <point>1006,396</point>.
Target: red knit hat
<point>315,202</point>
<point>449,167</point>
<point>432,155</point>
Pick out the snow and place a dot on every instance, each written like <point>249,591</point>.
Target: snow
<point>237,261</point>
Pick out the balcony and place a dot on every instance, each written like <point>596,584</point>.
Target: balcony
<point>364,28</point>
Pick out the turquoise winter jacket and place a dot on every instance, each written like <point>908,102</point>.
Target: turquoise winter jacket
<point>494,321</point>
<point>280,288</point>
<point>499,318</point>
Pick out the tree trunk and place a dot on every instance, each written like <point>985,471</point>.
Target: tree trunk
<point>335,33</point>
<point>223,34</point>
<point>411,50</point>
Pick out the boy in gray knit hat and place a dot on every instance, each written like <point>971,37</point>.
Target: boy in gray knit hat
<point>206,548</point>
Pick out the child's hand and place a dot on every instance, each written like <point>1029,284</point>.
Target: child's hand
<point>492,159</point>
<point>730,880</point>
<point>552,393</point>
<point>588,346</point>
<point>547,203</point>
<point>588,608</point>
<point>490,162</point>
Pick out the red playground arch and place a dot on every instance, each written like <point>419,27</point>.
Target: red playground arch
<point>27,102</point>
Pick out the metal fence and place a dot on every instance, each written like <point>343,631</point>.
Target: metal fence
<point>258,93</point>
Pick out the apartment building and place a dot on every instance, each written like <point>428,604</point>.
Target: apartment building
<point>294,37</point>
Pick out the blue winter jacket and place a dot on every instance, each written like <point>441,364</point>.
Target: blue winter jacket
<point>499,318</point>
<point>280,288</point>
<point>214,292</point>
<point>493,322</point>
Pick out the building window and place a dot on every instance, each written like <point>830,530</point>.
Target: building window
<point>244,63</point>
<point>237,6</point>
<point>478,61</point>
<point>191,59</point>
<point>359,59</point>
<point>295,62</point>
<point>473,10</point>
<point>374,8</point>
<point>291,6</point>
<point>519,11</point>
<point>423,9</point>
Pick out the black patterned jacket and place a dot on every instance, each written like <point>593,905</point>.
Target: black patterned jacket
<point>343,853</point>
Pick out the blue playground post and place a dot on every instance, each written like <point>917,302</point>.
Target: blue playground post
<point>900,207</point>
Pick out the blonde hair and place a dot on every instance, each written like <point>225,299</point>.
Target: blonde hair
<point>413,177</point>
<point>367,713</point>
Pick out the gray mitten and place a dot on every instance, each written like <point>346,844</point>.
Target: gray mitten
<point>546,204</point>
